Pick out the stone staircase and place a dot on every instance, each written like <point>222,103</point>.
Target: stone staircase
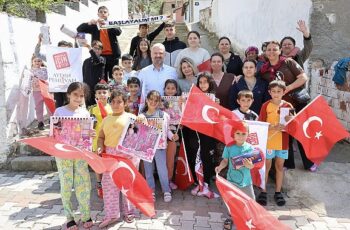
<point>27,158</point>
<point>181,32</point>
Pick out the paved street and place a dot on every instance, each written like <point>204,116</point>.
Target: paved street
<point>30,200</point>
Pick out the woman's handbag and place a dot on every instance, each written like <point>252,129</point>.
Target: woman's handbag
<point>300,95</point>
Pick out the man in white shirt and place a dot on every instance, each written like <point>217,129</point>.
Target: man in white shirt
<point>153,77</point>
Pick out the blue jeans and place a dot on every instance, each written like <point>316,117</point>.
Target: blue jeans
<point>160,159</point>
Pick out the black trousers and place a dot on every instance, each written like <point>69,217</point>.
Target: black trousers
<point>191,147</point>
<point>110,63</point>
<point>60,99</point>
<point>290,163</point>
<point>207,150</point>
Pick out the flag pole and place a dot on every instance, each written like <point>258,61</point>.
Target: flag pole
<point>182,112</point>
<point>302,110</point>
<point>187,165</point>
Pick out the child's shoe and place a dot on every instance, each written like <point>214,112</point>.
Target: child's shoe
<point>313,168</point>
<point>207,192</point>
<point>167,197</point>
<point>172,185</point>
<point>195,190</point>
<point>107,222</point>
<point>41,125</point>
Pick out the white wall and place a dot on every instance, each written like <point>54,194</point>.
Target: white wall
<point>272,20</point>
<point>194,10</point>
<point>18,38</point>
<point>118,9</point>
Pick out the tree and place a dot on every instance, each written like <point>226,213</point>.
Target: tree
<point>147,7</point>
<point>22,8</point>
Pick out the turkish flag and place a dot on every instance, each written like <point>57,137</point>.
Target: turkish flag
<point>50,146</point>
<point>183,175</point>
<point>137,191</point>
<point>205,116</point>
<point>102,109</point>
<point>204,66</point>
<point>132,184</point>
<point>246,213</point>
<point>317,128</point>
<point>48,98</point>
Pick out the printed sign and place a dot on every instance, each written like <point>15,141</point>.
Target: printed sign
<point>136,21</point>
<point>63,67</point>
<point>172,107</point>
<point>139,140</point>
<point>72,130</point>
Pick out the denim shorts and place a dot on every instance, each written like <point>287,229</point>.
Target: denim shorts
<point>270,154</point>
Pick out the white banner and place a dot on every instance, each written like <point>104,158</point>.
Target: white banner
<point>136,21</point>
<point>258,138</point>
<point>64,66</point>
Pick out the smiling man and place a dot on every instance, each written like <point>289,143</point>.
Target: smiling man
<point>153,77</point>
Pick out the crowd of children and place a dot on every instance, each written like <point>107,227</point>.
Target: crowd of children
<point>118,90</point>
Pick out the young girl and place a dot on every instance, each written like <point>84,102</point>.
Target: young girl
<point>143,55</point>
<point>110,132</point>
<point>39,73</point>
<point>170,89</point>
<point>75,172</point>
<point>151,110</point>
<point>207,144</point>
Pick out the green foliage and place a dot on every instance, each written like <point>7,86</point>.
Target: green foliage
<point>149,7</point>
<point>21,8</point>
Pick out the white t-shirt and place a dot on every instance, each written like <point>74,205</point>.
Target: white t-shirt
<point>198,56</point>
<point>250,115</point>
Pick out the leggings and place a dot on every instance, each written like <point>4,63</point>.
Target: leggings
<point>75,173</point>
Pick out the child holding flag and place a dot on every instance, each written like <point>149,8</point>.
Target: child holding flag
<point>239,177</point>
<point>111,130</point>
<point>39,73</point>
<point>99,112</point>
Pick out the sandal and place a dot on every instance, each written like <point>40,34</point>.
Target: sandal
<point>129,218</point>
<point>88,224</point>
<point>71,225</point>
<point>107,222</point>
<point>228,224</point>
<point>280,201</point>
<point>262,199</point>
<point>195,190</point>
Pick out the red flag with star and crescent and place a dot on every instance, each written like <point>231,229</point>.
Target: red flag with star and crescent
<point>246,213</point>
<point>317,128</point>
<point>183,175</point>
<point>205,116</point>
<point>125,176</point>
<point>132,184</point>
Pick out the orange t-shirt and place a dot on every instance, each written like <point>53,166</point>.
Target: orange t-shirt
<point>107,49</point>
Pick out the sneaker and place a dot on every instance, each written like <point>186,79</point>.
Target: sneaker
<point>41,125</point>
<point>172,185</point>
<point>313,168</point>
<point>167,197</point>
<point>195,190</point>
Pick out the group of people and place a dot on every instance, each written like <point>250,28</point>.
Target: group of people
<point>256,88</point>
